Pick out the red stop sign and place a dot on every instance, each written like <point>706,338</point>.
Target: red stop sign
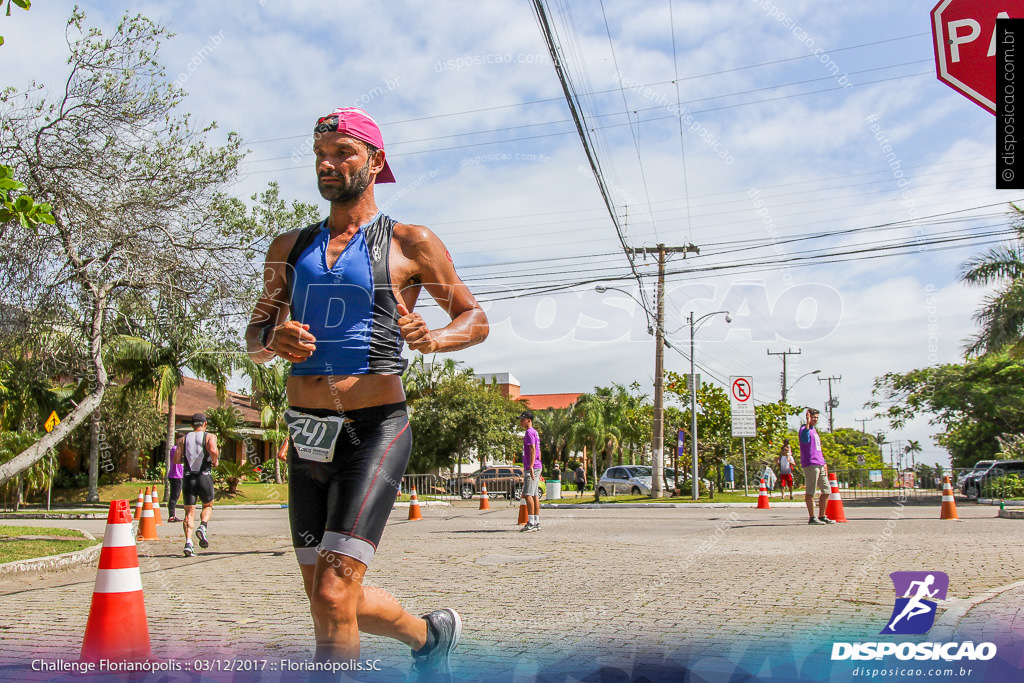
<point>964,33</point>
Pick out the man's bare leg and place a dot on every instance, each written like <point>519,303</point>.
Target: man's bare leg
<point>330,586</point>
<point>189,524</point>
<point>822,502</point>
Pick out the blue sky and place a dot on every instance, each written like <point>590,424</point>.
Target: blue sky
<point>779,144</point>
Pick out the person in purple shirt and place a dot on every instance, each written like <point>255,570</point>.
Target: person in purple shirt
<point>174,479</point>
<point>812,459</point>
<point>531,471</point>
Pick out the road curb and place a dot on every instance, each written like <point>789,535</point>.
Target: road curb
<point>947,625</point>
<point>612,506</point>
<point>53,515</point>
<point>1011,514</point>
<point>55,562</point>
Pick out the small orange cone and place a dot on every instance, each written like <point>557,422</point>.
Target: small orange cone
<point>414,506</point>
<point>138,507</point>
<point>524,515</point>
<point>147,524</point>
<point>156,507</point>
<point>117,629</point>
<point>834,506</point>
<point>948,502</point>
<point>762,497</point>
<point>485,503</point>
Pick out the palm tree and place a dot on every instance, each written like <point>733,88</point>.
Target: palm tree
<point>1001,317</point>
<point>269,388</point>
<point>555,428</point>
<point>178,343</point>
<point>591,430</point>
<point>912,449</point>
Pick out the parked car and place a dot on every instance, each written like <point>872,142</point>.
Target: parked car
<point>630,479</point>
<point>975,487</point>
<point>501,480</point>
<point>979,468</point>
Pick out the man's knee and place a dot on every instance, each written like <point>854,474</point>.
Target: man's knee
<point>335,593</point>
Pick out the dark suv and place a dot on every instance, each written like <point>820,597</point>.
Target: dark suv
<point>977,485</point>
<point>505,480</point>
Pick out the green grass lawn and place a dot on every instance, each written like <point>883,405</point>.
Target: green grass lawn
<point>27,542</point>
<point>249,492</point>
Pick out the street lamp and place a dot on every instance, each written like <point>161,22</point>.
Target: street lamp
<point>694,326</point>
<point>786,389</point>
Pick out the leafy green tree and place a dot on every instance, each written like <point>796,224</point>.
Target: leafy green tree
<point>591,431</point>
<point>23,4</point>
<point>554,427</point>
<point>975,403</point>
<point>135,192</point>
<point>1001,317</point>
<point>459,416</point>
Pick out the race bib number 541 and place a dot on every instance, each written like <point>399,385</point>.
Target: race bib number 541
<point>313,437</point>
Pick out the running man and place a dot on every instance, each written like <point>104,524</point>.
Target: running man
<point>349,285</point>
<point>531,471</point>
<point>197,452</point>
<point>914,606</point>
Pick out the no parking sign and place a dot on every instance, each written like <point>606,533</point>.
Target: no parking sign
<point>741,396</point>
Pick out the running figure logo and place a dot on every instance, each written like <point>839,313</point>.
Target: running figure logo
<point>913,612</point>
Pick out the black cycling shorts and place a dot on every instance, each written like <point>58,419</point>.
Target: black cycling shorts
<point>341,506</point>
<point>199,485</point>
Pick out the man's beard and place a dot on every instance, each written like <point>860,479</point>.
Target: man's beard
<point>349,189</point>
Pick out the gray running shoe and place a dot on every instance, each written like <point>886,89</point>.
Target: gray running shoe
<point>815,520</point>
<point>204,542</point>
<point>527,527</point>
<point>189,552</point>
<point>826,520</point>
<point>434,664</point>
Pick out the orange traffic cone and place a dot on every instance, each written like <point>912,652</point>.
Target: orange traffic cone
<point>414,506</point>
<point>485,503</point>
<point>834,506</point>
<point>948,503</point>
<point>117,628</point>
<point>138,507</point>
<point>147,524</point>
<point>524,515</point>
<point>156,507</point>
<point>762,497</point>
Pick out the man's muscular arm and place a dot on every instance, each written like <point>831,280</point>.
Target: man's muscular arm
<point>287,338</point>
<point>436,273</point>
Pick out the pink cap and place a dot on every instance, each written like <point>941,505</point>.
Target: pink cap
<point>360,125</point>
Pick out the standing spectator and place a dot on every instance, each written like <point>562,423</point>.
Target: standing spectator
<point>581,479</point>
<point>531,471</point>
<point>556,473</point>
<point>174,480</point>
<point>812,459</point>
<point>786,465</point>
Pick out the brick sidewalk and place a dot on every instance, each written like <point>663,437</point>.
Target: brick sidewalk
<point>707,580</point>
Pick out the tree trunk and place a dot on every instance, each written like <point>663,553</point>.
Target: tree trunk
<point>17,494</point>
<point>94,458</point>
<point>36,451</point>
<point>169,443</point>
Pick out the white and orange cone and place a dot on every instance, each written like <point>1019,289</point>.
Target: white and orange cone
<point>138,507</point>
<point>485,503</point>
<point>948,502</point>
<point>524,514</point>
<point>117,629</point>
<point>762,497</point>
<point>156,506</point>
<point>147,524</point>
<point>414,506</point>
<point>834,506</point>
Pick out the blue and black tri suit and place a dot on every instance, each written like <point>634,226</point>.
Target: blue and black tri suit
<point>340,497</point>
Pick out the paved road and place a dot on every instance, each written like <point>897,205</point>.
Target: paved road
<point>593,585</point>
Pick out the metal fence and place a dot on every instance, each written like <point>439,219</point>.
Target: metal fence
<point>863,484</point>
<point>433,487</point>
<point>428,487</point>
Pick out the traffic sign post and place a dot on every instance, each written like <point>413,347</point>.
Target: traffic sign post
<point>741,390</point>
<point>964,37</point>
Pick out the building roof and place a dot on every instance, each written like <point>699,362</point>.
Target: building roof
<point>197,396</point>
<point>544,401</point>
